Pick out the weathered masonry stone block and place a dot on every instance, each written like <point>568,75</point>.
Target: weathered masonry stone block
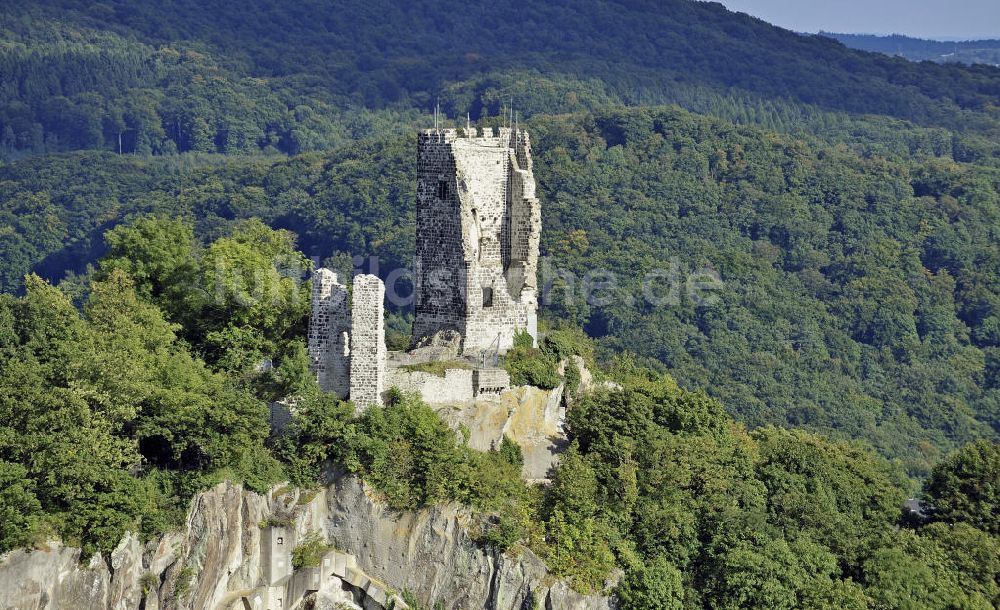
<point>490,382</point>
<point>347,347</point>
<point>478,227</point>
<point>329,325</point>
<point>368,351</point>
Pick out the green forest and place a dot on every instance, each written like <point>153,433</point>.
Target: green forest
<point>660,482</point>
<point>160,78</point>
<point>758,450</point>
<point>861,293</point>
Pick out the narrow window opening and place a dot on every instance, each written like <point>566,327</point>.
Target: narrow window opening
<point>442,189</point>
<point>487,297</point>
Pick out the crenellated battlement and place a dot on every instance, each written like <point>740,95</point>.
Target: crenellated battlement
<point>493,136</point>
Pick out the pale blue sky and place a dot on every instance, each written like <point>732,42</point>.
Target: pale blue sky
<point>963,19</point>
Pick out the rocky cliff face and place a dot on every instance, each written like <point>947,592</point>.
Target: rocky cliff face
<point>218,561</point>
<point>430,554</point>
<point>218,551</point>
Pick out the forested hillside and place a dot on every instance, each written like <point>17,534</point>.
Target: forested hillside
<point>916,49</point>
<point>158,157</point>
<point>165,77</point>
<point>113,414</point>
<point>861,295</point>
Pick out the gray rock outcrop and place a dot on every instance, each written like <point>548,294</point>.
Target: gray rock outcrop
<point>430,553</point>
<point>215,562</point>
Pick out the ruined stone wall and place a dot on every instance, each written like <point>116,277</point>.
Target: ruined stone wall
<point>490,382</point>
<point>525,223</point>
<point>478,224</point>
<point>329,325</point>
<point>522,204</point>
<point>439,265</point>
<point>368,351</point>
<point>347,347</point>
<point>455,387</point>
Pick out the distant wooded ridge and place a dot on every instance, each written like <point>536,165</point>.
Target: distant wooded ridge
<point>919,49</point>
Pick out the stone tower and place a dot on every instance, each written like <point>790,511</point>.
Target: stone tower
<point>478,227</point>
<point>347,349</point>
<point>368,351</point>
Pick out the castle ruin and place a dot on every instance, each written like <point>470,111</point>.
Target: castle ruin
<point>347,349</point>
<point>478,229</point>
<point>329,333</point>
<point>368,354</point>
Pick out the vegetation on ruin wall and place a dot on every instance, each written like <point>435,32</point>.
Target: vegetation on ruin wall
<point>539,367</point>
<point>309,553</point>
<point>437,367</point>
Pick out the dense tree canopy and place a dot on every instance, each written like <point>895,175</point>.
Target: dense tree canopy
<point>859,293</point>
<point>965,488</point>
<point>160,78</point>
<point>90,400</point>
<point>658,481</point>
